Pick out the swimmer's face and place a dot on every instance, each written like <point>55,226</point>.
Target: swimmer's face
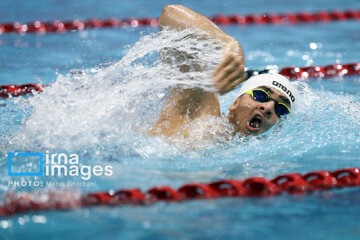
<point>252,117</point>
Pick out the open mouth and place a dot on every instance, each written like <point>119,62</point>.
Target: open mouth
<point>255,123</point>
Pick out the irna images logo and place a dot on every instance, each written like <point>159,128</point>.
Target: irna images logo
<point>16,164</point>
<point>54,164</point>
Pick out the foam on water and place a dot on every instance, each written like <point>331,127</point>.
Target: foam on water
<point>103,114</point>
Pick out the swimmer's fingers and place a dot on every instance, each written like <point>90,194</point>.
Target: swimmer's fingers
<point>225,71</point>
<point>229,77</point>
<point>229,72</point>
<point>232,85</point>
<point>230,82</point>
<point>227,67</point>
<point>220,68</point>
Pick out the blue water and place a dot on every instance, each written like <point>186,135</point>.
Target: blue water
<point>98,116</point>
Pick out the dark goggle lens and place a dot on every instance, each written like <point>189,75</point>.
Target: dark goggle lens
<point>281,110</point>
<point>260,96</point>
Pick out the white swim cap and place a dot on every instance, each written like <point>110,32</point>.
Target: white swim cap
<point>277,81</point>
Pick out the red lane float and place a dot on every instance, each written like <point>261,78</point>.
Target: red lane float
<point>265,18</point>
<point>302,73</point>
<point>287,18</point>
<point>292,183</point>
<point>18,90</point>
<point>333,70</point>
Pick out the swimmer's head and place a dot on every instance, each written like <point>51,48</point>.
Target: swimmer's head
<point>255,112</point>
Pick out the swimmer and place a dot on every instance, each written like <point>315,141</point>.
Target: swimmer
<point>262,100</point>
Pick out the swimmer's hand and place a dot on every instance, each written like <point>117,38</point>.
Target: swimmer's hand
<point>230,71</point>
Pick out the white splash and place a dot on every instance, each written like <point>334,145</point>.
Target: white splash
<point>112,108</point>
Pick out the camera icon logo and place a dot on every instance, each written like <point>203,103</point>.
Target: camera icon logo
<point>33,167</point>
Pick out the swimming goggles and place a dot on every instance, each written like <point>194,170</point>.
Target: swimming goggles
<point>261,95</point>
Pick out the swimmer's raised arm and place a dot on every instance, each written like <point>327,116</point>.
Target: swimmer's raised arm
<point>230,71</point>
<point>183,106</point>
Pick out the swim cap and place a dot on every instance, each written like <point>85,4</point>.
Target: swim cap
<point>277,81</point>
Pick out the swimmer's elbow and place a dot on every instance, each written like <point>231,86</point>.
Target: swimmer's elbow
<point>170,9</point>
<point>168,15</point>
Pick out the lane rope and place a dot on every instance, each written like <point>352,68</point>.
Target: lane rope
<point>302,73</point>
<point>235,19</point>
<point>291,183</point>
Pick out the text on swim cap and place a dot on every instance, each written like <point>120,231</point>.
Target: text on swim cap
<point>288,92</point>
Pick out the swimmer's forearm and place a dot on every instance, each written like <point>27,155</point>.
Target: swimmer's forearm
<point>180,17</point>
<point>230,71</point>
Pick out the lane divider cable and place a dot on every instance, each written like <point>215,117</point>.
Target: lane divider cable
<point>299,73</point>
<point>291,183</point>
<point>235,19</point>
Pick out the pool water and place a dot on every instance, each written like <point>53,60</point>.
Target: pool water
<point>108,87</point>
